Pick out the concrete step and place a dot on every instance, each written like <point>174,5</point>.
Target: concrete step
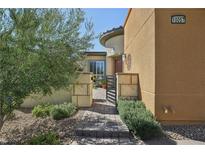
<point>101,121</point>
<point>102,128</point>
<point>102,133</point>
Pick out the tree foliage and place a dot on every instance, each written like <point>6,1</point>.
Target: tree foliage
<point>40,50</point>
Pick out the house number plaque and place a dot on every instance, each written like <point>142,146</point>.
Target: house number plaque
<point>178,19</point>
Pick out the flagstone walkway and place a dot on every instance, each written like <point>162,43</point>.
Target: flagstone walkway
<point>101,124</point>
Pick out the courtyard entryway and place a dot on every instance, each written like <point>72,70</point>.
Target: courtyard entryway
<point>101,124</point>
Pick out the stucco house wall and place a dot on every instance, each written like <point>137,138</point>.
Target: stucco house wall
<point>170,61</point>
<point>79,93</point>
<point>180,65</point>
<point>110,66</point>
<point>139,43</point>
<point>58,97</point>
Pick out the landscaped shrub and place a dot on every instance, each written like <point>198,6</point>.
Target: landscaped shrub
<point>42,110</point>
<point>138,119</point>
<point>57,112</point>
<point>62,111</point>
<point>130,104</point>
<point>49,138</point>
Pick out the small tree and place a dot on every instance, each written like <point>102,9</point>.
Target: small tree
<point>40,50</point>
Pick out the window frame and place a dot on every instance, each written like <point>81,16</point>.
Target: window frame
<point>98,64</point>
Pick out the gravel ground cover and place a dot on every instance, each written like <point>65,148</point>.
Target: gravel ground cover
<point>180,135</point>
<point>23,126</point>
<point>185,132</point>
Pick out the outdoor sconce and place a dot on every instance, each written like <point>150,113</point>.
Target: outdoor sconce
<point>123,57</point>
<point>168,109</point>
<point>127,59</point>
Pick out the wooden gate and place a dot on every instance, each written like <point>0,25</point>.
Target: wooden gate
<point>111,94</point>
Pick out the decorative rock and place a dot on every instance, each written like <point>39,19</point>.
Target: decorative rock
<point>181,132</point>
<point>61,134</point>
<point>23,127</point>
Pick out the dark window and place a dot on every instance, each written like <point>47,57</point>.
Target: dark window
<point>98,68</point>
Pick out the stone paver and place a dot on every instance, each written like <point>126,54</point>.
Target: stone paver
<point>101,124</point>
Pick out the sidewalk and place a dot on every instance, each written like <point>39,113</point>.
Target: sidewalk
<point>101,124</point>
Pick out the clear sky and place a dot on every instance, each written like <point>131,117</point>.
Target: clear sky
<point>105,19</point>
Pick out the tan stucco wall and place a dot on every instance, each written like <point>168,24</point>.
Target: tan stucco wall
<point>57,97</point>
<point>139,42</point>
<point>180,65</point>
<point>90,58</point>
<point>79,93</point>
<point>110,66</point>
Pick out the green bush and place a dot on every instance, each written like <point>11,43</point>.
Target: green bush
<point>62,111</point>
<point>42,110</point>
<point>129,104</point>
<point>49,138</point>
<point>57,112</point>
<point>138,119</point>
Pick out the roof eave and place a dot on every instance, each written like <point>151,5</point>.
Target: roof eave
<point>106,36</point>
<point>97,53</point>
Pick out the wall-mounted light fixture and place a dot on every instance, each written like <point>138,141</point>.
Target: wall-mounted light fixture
<point>123,57</point>
<point>168,109</point>
<point>127,59</point>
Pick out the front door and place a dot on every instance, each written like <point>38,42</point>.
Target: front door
<point>118,64</point>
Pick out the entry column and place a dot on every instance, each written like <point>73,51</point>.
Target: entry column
<point>127,86</point>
